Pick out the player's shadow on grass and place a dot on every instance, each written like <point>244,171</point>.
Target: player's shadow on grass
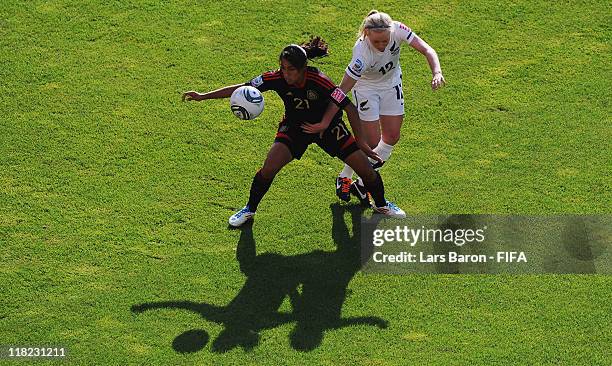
<point>316,284</point>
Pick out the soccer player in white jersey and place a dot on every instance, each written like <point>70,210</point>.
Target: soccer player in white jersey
<point>375,76</point>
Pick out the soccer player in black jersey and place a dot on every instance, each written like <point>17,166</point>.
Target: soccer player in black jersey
<point>306,93</point>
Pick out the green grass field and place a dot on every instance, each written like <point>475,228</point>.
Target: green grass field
<point>115,195</point>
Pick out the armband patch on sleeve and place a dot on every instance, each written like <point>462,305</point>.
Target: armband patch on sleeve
<point>257,81</point>
<point>357,66</point>
<point>338,95</point>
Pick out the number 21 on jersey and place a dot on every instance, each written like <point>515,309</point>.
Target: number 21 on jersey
<point>301,103</point>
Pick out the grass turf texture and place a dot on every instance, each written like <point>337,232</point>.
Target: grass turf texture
<point>114,194</point>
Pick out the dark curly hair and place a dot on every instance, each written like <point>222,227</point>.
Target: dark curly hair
<point>299,55</point>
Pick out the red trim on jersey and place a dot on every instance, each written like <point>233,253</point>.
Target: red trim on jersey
<point>324,83</point>
<point>321,75</point>
<point>273,75</point>
<point>280,134</point>
<point>348,142</point>
<point>322,80</point>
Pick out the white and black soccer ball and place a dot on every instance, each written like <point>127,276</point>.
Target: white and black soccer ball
<point>247,102</point>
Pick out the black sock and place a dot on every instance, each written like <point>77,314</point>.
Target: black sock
<point>259,187</point>
<point>377,190</point>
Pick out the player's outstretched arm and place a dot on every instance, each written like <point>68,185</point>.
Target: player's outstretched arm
<point>215,94</point>
<point>426,50</point>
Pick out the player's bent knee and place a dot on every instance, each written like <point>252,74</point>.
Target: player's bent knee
<point>391,138</point>
<point>373,141</point>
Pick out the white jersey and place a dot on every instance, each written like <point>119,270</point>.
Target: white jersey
<point>379,70</point>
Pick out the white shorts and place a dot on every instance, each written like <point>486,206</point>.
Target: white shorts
<point>371,104</point>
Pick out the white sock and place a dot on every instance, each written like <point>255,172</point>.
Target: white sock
<point>347,172</point>
<point>383,150</point>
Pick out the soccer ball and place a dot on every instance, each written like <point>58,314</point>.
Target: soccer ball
<point>247,102</point>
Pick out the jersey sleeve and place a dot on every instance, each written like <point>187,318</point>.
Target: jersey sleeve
<point>403,33</point>
<point>358,63</point>
<point>266,81</point>
<point>329,89</point>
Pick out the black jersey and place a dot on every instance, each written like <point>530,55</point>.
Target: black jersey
<point>307,102</point>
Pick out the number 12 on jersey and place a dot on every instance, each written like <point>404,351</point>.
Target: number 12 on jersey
<point>388,67</point>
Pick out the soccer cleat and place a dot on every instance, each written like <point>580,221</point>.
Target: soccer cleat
<point>359,190</point>
<point>390,210</point>
<point>343,188</point>
<point>240,217</point>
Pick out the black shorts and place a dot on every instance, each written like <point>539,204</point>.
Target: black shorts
<point>336,141</point>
